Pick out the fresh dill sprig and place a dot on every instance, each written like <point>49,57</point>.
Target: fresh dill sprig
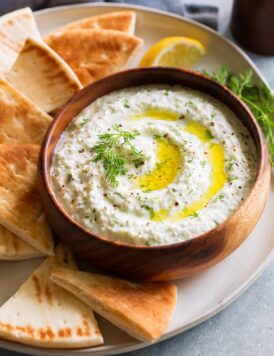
<point>108,149</point>
<point>258,97</point>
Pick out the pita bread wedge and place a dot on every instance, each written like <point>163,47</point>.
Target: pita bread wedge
<point>43,76</point>
<point>93,54</point>
<point>21,209</point>
<point>143,310</point>
<point>15,27</point>
<point>20,120</point>
<point>42,314</point>
<point>12,248</point>
<point>123,21</point>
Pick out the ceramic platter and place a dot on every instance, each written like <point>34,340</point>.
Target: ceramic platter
<point>219,285</point>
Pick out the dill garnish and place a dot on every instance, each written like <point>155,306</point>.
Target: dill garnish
<point>149,209</point>
<point>162,163</point>
<point>119,195</point>
<point>220,197</point>
<point>126,104</point>
<point>203,163</point>
<point>84,121</point>
<point>231,179</point>
<point>70,178</point>
<point>257,96</point>
<point>208,135</point>
<point>230,165</point>
<point>109,150</point>
<point>117,222</point>
<point>157,137</point>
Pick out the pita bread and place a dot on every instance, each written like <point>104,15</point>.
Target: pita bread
<point>21,209</point>
<point>143,310</point>
<point>43,76</point>
<point>15,27</point>
<point>123,21</point>
<point>12,248</point>
<point>42,314</point>
<point>93,54</point>
<point>20,120</point>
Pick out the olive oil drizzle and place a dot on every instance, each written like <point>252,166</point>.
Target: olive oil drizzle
<point>166,167</point>
<point>218,175</point>
<point>163,174</point>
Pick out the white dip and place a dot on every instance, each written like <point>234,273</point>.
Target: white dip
<point>198,163</point>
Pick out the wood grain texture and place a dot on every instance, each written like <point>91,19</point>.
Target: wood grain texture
<point>165,262</point>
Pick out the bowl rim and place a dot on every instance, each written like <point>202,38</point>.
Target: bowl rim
<point>263,156</point>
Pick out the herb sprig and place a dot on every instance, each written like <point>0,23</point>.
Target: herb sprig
<point>258,97</point>
<point>109,150</point>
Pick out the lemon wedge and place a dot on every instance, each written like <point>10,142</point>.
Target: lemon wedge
<point>177,51</point>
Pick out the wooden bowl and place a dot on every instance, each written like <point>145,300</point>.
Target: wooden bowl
<point>164,262</point>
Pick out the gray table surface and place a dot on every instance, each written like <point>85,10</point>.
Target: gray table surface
<point>246,327</point>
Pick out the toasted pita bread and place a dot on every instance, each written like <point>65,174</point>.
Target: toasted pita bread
<point>123,21</point>
<point>21,209</point>
<point>15,27</point>
<point>12,248</point>
<point>42,314</point>
<point>143,310</point>
<point>93,54</point>
<point>20,120</point>
<point>43,76</point>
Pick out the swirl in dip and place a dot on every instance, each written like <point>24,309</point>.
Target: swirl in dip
<point>188,165</point>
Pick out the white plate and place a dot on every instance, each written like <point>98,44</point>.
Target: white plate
<point>204,295</point>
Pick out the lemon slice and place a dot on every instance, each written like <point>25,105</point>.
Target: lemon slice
<point>178,51</point>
